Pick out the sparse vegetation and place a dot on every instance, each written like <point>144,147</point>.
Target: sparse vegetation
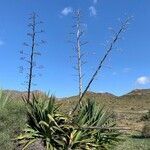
<point>146,116</point>
<point>134,144</point>
<point>12,121</point>
<point>146,130</point>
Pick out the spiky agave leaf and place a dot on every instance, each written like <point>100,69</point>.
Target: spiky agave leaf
<point>4,99</point>
<point>91,115</point>
<point>59,132</point>
<point>43,122</point>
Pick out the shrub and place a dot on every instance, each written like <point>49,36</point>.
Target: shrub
<point>12,121</point>
<point>146,130</point>
<point>146,117</point>
<point>60,132</point>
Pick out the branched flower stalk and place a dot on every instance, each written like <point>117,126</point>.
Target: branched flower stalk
<point>112,43</point>
<point>29,57</point>
<point>78,43</point>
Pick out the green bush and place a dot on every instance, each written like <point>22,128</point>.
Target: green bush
<point>60,132</point>
<point>12,120</point>
<point>146,117</point>
<point>146,130</point>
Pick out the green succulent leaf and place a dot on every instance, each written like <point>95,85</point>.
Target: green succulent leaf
<point>61,132</point>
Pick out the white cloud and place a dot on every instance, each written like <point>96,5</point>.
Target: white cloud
<point>1,42</point>
<point>95,1</point>
<point>66,11</point>
<point>143,80</point>
<point>93,11</point>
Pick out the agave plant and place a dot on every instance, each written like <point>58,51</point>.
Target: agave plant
<point>100,118</point>
<point>93,128</point>
<point>43,122</point>
<point>59,132</point>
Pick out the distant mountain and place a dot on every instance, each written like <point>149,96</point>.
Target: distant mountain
<point>137,94</point>
<point>138,99</point>
<point>101,98</point>
<point>94,95</point>
<point>135,100</point>
<point>14,94</point>
<point>101,94</point>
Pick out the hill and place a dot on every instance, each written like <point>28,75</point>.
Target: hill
<point>16,95</point>
<point>138,99</point>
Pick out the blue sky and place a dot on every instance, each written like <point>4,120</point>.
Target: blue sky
<point>126,68</point>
